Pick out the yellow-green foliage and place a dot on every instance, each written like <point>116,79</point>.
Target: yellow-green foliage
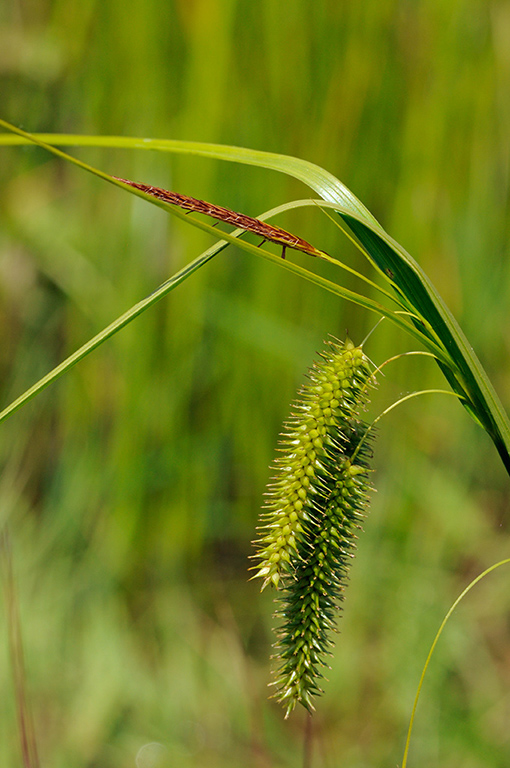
<point>316,503</point>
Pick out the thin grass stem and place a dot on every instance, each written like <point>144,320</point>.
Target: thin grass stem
<point>433,646</point>
<point>399,402</point>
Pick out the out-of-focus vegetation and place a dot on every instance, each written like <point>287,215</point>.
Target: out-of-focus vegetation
<point>132,486</point>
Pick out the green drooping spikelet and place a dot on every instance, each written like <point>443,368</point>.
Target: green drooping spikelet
<point>310,601</point>
<point>315,504</point>
<point>331,400</point>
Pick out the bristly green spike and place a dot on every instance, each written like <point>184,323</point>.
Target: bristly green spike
<point>310,600</point>
<point>315,506</point>
<point>336,391</point>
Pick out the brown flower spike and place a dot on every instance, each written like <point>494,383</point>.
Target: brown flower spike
<point>266,231</point>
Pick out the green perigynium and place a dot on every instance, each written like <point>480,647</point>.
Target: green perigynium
<point>315,505</point>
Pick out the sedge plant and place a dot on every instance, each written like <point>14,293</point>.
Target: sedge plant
<point>320,491</point>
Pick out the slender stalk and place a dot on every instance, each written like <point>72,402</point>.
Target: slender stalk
<point>394,405</point>
<point>110,330</point>
<point>28,741</point>
<point>308,740</point>
<point>433,646</point>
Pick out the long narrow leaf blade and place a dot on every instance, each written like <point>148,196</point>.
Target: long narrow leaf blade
<point>463,371</point>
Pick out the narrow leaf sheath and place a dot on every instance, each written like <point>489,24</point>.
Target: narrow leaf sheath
<point>266,231</point>
<point>315,506</point>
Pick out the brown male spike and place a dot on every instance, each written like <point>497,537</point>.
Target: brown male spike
<point>267,231</point>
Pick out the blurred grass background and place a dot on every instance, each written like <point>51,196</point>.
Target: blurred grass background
<point>131,488</point>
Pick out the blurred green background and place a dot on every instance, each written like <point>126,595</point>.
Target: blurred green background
<point>131,488</point>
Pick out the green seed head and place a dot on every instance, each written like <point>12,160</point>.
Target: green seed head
<point>315,503</point>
